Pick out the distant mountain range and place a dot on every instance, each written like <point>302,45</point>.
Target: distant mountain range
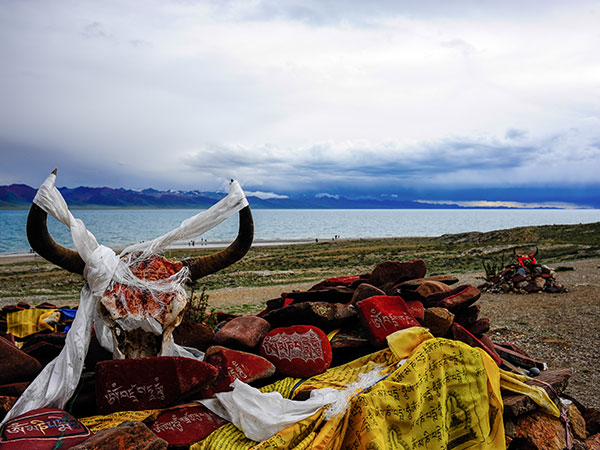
<point>20,196</point>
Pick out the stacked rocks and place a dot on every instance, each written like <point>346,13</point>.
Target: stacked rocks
<point>299,334</point>
<point>523,278</point>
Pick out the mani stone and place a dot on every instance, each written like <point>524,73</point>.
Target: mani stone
<point>242,332</point>
<point>297,351</point>
<point>326,316</point>
<point>16,365</point>
<point>539,430</point>
<point>348,281</point>
<point>365,290</point>
<point>480,327</point>
<point>382,315</point>
<point>397,272</point>
<point>416,309</point>
<point>429,287</point>
<point>438,320</point>
<point>193,334</point>
<point>127,436</point>
<point>148,383</point>
<point>43,429</point>
<point>234,364</point>
<point>468,316</point>
<point>456,299</point>
<point>185,425</point>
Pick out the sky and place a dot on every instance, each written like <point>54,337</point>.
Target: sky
<point>472,101</point>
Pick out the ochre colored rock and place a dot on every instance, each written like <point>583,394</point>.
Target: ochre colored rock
<point>382,315</point>
<point>438,320</point>
<point>577,422</point>
<point>397,272</point>
<point>235,364</point>
<point>593,442</point>
<point>242,332</point>
<point>43,429</point>
<point>365,290</point>
<point>297,351</point>
<point>539,430</point>
<point>127,436</point>
<point>148,383</point>
<point>429,287</point>
<point>185,425</point>
<point>16,365</point>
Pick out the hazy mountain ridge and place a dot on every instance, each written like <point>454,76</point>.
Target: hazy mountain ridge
<point>20,196</point>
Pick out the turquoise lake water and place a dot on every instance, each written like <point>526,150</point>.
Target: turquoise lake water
<point>118,228</point>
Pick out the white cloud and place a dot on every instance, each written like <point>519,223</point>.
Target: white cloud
<point>265,195</point>
<point>299,93</point>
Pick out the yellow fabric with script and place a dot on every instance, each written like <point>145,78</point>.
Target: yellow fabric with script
<point>28,321</point>
<point>446,395</point>
<point>98,423</point>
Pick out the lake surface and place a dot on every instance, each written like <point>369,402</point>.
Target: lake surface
<point>119,227</point>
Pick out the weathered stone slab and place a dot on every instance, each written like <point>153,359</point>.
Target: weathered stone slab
<point>326,316</point>
<point>364,291</point>
<point>397,271</point>
<point>429,287</point>
<point>333,294</point>
<point>382,315</point>
<point>127,436</point>
<point>480,327</point>
<point>13,389</point>
<point>348,281</point>
<point>518,358</point>
<point>297,351</point>
<point>460,298</point>
<point>193,334</point>
<point>234,364</point>
<point>148,383</point>
<point>468,316</point>
<point>539,431</point>
<point>244,332</point>
<point>185,425</point>
<point>438,320</point>
<point>43,429</point>
<point>518,404</point>
<point>16,365</point>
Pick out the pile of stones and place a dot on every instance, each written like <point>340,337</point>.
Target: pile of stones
<point>527,278</point>
<point>299,334</point>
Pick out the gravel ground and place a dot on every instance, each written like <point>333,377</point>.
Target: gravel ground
<point>562,330</point>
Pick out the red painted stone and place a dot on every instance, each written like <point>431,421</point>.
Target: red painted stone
<point>43,429</point>
<point>16,365</point>
<point>148,383</point>
<point>193,334</point>
<point>382,315</point>
<point>297,351</point>
<point>234,364</point>
<point>185,425</point>
<point>416,309</point>
<point>242,332</point>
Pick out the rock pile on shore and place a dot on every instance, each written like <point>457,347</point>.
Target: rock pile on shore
<point>526,278</point>
<point>145,403</point>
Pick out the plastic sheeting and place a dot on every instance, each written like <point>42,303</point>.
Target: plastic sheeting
<point>57,382</point>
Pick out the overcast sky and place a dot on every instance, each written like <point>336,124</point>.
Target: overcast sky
<point>288,96</point>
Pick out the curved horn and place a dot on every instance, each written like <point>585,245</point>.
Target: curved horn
<point>515,252</point>
<point>205,265</point>
<point>536,251</point>
<point>43,244</point>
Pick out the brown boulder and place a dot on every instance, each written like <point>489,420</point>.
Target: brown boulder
<point>16,365</point>
<point>397,272</point>
<point>326,316</point>
<point>539,431</point>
